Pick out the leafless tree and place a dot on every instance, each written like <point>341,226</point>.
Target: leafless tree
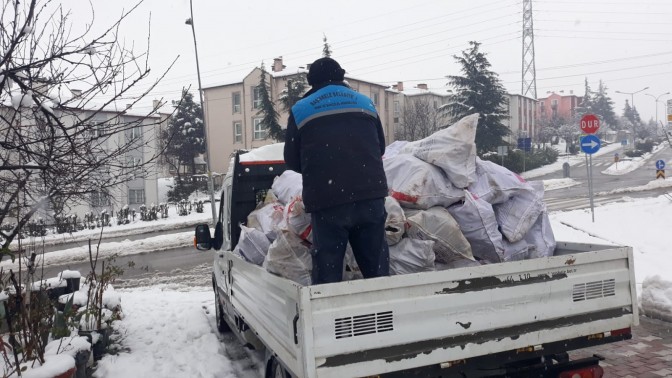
<point>57,147</point>
<point>419,119</point>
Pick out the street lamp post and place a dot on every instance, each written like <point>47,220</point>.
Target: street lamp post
<point>632,101</point>
<point>655,98</point>
<point>211,186</point>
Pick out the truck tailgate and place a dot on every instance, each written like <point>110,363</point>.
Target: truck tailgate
<point>369,327</point>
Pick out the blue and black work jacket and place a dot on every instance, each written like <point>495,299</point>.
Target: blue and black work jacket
<point>335,140</point>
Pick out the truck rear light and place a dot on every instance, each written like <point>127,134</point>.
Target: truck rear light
<point>594,371</point>
<point>620,332</point>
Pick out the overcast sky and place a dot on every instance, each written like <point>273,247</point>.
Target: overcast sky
<point>625,43</point>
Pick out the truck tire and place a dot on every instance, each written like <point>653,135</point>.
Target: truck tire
<point>276,370</point>
<point>222,325</point>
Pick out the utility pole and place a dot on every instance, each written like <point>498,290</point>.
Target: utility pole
<point>529,72</point>
<point>211,188</point>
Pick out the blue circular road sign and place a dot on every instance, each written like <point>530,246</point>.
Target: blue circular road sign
<point>590,144</point>
<point>660,164</point>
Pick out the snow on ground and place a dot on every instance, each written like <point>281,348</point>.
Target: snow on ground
<point>123,248</point>
<point>168,333</point>
<point>627,166</point>
<point>554,184</point>
<point>571,159</point>
<point>652,185</point>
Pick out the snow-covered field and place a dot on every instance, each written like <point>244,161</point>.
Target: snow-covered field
<point>627,166</point>
<point>571,160</point>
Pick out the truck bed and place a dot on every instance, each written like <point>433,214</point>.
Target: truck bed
<point>583,296</point>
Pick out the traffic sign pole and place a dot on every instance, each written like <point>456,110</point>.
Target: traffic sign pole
<point>592,206</point>
<point>590,144</point>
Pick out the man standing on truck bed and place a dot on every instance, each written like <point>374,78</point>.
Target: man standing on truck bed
<point>335,140</point>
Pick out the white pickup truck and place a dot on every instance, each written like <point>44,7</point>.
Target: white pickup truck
<point>513,319</point>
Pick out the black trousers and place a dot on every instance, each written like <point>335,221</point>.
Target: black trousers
<point>362,224</point>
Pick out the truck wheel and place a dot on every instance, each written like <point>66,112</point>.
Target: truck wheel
<point>222,325</point>
<point>277,371</point>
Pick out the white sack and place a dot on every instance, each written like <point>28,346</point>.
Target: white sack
<point>288,186</point>
<point>516,251</point>
<point>479,225</point>
<point>517,215</point>
<point>253,245</point>
<point>393,149</point>
<point>460,263</point>
<point>452,149</point>
<point>396,221</point>
<point>290,258</point>
<point>412,256</point>
<point>417,184</point>
<point>438,225</point>
<point>267,218</point>
<point>496,184</point>
<point>541,237</point>
<point>297,220</point>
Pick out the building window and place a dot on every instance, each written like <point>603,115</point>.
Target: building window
<point>397,111</point>
<point>256,97</point>
<point>374,98</point>
<point>135,133</point>
<point>236,102</point>
<point>260,132</point>
<point>237,132</point>
<point>99,199</point>
<point>554,103</point>
<point>136,196</point>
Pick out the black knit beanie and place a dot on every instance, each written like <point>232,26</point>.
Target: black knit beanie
<point>325,70</point>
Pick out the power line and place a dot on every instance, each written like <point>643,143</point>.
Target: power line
<point>608,22</point>
<point>606,38</point>
<point>598,31</point>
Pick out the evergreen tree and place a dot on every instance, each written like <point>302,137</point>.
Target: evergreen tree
<point>269,115</point>
<point>587,102</point>
<point>603,106</point>
<point>627,112</point>
<point>296,87</point>
<point>479,90</point>
<point>326,49</point>
<point>184,140</point>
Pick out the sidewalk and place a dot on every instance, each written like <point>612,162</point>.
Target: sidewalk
<point>647,355</point>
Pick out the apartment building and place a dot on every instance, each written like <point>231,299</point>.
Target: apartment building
<point>232,110</point>
<point>522,119</point>
<point>403,96</point>
<point>559,105</point>
<point>143,139</point>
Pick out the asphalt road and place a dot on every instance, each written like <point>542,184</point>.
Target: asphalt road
<point>576,197</point>
<point>178,266</point>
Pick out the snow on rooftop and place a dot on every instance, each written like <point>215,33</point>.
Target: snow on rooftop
<point>270,152</point>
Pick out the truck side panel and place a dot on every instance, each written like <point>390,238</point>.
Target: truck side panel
<point>269,306</point>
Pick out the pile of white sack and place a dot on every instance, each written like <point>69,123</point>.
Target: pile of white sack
<point>446,209</point>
